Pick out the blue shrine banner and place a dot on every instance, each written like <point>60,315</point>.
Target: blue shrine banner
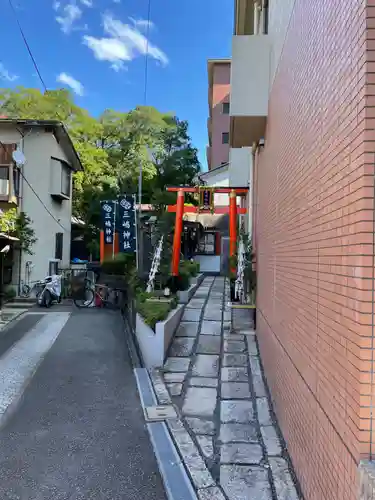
<point>126,224</point>
<point>108,213</point>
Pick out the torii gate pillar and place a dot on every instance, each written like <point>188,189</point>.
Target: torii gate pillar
<point>178,232</point>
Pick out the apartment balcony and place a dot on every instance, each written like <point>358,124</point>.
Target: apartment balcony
<point>250,88</point>
<point>240,166</point>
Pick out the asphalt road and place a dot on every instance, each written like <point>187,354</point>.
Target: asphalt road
<point>79,432</point>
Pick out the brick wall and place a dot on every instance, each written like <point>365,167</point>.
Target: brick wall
<point>315,251</point>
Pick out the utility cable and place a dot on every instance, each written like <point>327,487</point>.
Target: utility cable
<point>27,45</point>
<point>147,56</point>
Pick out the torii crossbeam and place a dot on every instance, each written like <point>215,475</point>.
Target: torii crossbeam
<point>179,209</point>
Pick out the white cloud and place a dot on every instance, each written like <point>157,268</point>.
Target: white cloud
<point>142,23</point>
<point>56,5</point>
<point>71,14</point>
<point>116,1</point>
<point>71,82</point>
<point>109,49</point>
<point>87,3</point>
<point>6,75</point>
<point>123,42</point>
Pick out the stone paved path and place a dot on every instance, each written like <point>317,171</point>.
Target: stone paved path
<point>225,432</point>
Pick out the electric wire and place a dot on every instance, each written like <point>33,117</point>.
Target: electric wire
<point>27,45</point>
<point>147,55</point>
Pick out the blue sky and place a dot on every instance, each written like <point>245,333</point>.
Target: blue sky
<point>96,47</point>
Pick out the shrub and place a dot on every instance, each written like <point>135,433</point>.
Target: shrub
<point>153,312</point>
<point>190,267</point>
<point>121,265</point>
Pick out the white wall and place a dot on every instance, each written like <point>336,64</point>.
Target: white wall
<point>219,178</point>
<point>280,12</point>
<point>250,75</point>
<point>38,149</point>
<point>240,164</point>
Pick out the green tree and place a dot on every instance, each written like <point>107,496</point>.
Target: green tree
<point>18,225</point>
<point>112,149</point>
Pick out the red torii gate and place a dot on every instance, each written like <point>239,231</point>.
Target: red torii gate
<point>180,209</point>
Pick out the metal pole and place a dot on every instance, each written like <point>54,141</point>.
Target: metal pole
<point>136,231</point>
<point>114,229</point>
<point>140,246</point>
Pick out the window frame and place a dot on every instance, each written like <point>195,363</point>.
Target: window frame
<point>226,106</point>
<point>226,135</point>
<point>199,248</point>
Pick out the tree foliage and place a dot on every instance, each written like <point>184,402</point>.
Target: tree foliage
<point>113,148</point>
<point>18,225</point>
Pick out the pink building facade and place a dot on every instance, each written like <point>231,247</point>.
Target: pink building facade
<point>218,122</point>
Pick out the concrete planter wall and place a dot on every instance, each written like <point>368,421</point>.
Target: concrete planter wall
<point>154,344</point>
<point>185,295</point>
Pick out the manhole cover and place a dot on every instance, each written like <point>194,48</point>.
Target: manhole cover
<point>155,413</point>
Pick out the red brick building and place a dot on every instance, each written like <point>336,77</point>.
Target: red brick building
<point>303,96</point>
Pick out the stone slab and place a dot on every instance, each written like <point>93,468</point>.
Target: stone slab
<point>182,346</point>
<point>263,409</point>
<point>200,401</point>
<point>206,445</point>
<point>237,433</point>
<point>203,382</point>
<point>192,459</point>
<point>255,365</point>
<point>211,328</point>
<point>177,365</point>
<point>162,394</point>
<point>241,453</point>
<point>191,315</point>
<point>233,336</point>
<point>235,390</point>
<point>271,440</point>
<point>209,344</point>
<point>199,426</point>
<point>241,482</point>
<point>206,366</point>
<point>175,389</point>
<point>160,412</point>
<point>195,303</point>
<point>252,347</point>
<point>187,330</point>
<point>174,377</point>
<point>237,411</point>
<point>211,494</point>
<point>234,346</point>
<point>259,386</point>
<point>238,374</point>
<point>235,360</point>
<point>284,486</point>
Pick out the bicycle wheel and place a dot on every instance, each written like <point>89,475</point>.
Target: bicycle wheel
<point>86,300</point>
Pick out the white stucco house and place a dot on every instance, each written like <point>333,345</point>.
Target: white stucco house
<point>41,186</point>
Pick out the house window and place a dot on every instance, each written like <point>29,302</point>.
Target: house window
<point>206,245</point>
<point>59,245</point>
<point>226,108</point>
<point>4,181</point>
<point>225,138</point>
<point>65,179</point>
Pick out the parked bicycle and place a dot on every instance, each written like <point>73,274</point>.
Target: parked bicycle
<point>100,295</point>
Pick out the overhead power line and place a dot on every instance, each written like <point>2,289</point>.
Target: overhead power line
<point>147,47</point>
<point>27,45</point>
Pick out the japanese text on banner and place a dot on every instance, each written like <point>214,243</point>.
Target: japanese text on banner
<point>108,220</point>
<point>126,224</point>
